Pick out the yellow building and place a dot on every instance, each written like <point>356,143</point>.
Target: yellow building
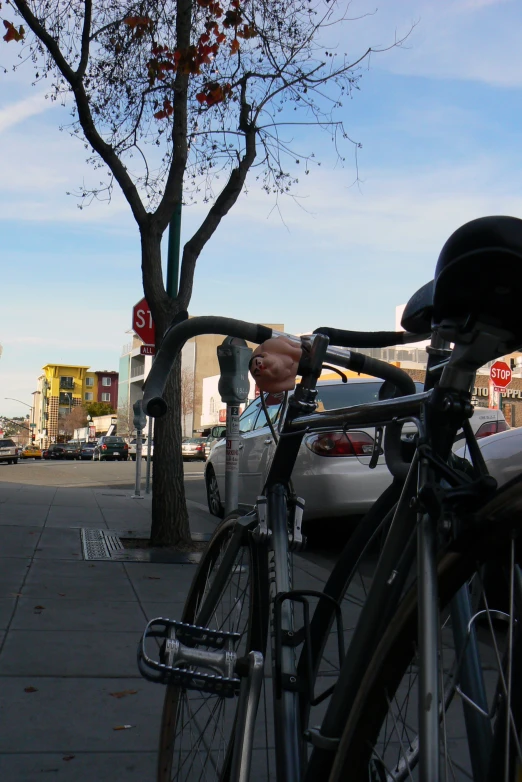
<point>61,388</point>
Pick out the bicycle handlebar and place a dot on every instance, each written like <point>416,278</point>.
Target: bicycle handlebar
<point>179,332</point>
<point>369,339</point>
<point>174,339</point>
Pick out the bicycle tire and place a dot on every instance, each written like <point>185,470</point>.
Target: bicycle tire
<point>251,575</point>
<point>373,525</point>
<point>389,665</point>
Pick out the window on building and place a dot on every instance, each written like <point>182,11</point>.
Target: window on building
<point>88,396</point>
<point>106,381</point>
<point>67,382</point>
<point>89,381</point>
<point>106,397</point>
<point>66,399</point>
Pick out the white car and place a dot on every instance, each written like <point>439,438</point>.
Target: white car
<point>8,451</point>
<point>331,472</point>
<point>502,453</point>
<point>132,449</point>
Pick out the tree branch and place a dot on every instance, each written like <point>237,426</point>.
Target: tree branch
<point>84,59</point>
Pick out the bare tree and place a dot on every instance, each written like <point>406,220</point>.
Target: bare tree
<point>175,99</point>
<point>125,421</point>
<point>76,419</point>
<point>186,396</point>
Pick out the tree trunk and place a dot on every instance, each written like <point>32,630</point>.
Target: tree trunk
<point>170,523</point>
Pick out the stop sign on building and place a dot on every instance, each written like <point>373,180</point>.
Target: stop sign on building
<point>500,374</point>
<point>142,322</point>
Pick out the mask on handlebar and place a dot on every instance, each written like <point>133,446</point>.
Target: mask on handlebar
<point>274,364</point>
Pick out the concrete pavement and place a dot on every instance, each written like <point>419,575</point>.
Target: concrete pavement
<point>69,629</point>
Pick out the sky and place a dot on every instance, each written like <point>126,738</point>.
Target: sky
<point>439,120</point>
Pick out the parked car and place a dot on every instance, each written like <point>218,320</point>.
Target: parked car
<point>87,451</point>
<point>502,453</point>
<point>193,448</point>
<point>56,451</point>
<point>71,451</point>
<point>8,451</point>
<point>331,472</point>
<point>132,449</point>
<point>111,448</point>
<point>31,452</point>
<point>216,433</point>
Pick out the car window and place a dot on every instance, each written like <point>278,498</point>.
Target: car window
<point>273,414</point>
<point>348,394</point>
<point>7,444</point>
<point>113,439</point>
<point>248,418</point>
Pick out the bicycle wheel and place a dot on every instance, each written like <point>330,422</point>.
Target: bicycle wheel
<point>380,740</point>
<point>347,586</point>
<point>197,728</point>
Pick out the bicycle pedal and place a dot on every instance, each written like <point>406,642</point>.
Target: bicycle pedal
<point>181,660</point>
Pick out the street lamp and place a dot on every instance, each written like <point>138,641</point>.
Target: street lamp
<point>70,402</point>
<point>31,408</point>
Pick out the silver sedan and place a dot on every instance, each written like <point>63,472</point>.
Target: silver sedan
<point>331,472</point>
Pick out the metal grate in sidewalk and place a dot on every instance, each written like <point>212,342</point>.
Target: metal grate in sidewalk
<point>106,545</point>
<point>100,543</point>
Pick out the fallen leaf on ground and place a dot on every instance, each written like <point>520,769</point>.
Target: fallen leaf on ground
<point>153,578</point>
<point>40,608</point>
<point>69,757</point>
<point>62,594</point>
<point>123,693</point>
<point>30,689</point>
<point>123,727</point>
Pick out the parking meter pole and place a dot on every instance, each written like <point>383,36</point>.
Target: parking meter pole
<point>149,448</point>
<point>233,356</point>
<point>139,420</point>
<point>232,460</point>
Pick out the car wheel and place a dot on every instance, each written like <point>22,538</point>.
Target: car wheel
<point>133,457</point>
<point>15,461</point>
<point>9,461</point>
<point>213,498</point>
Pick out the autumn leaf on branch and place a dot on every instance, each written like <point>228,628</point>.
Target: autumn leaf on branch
<point>12,33</point>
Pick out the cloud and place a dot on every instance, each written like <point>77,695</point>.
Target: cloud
<point>16,113</point>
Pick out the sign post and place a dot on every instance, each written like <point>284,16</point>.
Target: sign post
<point>140,419</point>
<point>233,356</point>
<point>499,378</point>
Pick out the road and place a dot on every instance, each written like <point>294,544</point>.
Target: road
<point>324,541</point>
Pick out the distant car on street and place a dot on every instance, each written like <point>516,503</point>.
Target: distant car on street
<point>111,448</point>
<point>132,449</point>
<point>8,451</point>
<point>193,448</point>
<point>87,451</point>
<point>56,451</point>
<point>31,452</point>
<point>72,451</point>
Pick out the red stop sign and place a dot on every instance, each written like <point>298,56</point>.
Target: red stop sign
<point>500,374</point>
<point>142,322</point>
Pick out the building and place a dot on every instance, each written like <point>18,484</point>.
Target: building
<point>198,361</point>
<point>63,387</point>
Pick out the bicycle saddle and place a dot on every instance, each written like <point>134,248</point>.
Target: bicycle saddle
<point>418,312</point>
<point>478,277</point>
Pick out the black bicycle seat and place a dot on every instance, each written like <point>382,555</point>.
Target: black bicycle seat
<point>418,312</point>
<point>479,275</point>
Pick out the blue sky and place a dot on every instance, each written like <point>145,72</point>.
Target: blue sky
<point>440,123</point>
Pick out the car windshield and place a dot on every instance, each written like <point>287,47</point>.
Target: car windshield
<point>113,440</point>
<point>7,444</point>
<point>347,394</point>
<point>191,440</point>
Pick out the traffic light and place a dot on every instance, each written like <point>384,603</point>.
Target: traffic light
<point>33,438</point>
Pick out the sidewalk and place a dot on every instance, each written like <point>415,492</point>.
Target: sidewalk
<point>69,628</point>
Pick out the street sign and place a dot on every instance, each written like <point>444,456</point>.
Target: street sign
<point>142,322</point>
<point>148,350</point>
<point>500,374</point>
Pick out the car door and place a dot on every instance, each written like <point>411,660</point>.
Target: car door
<point>256,448</point>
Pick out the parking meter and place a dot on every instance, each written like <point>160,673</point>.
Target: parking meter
<point>234,357</point>
<point>139,421</point>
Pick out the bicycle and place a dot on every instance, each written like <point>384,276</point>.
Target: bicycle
<point>442,511</point>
